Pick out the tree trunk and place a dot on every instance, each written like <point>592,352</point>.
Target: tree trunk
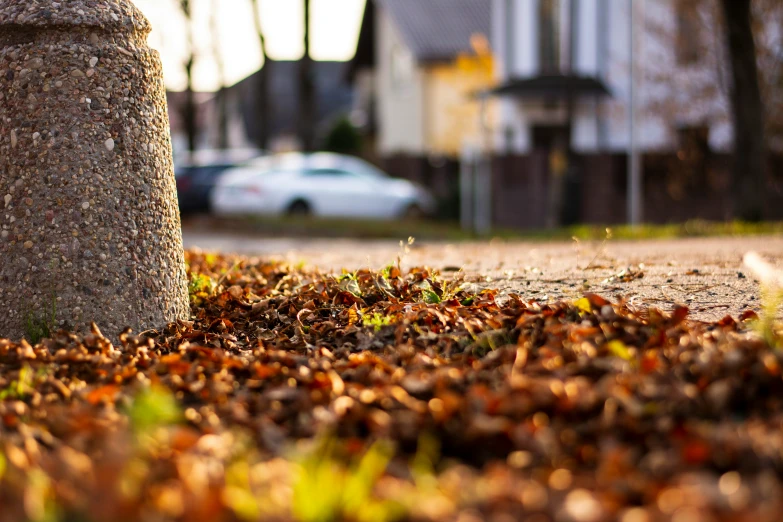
<point>264,111</point>
<point>221,105</point>
<point>189,108</point>
<point>222,115</point>
<point>748,177</point>
<point>263,106</point>
<point>307,103</point>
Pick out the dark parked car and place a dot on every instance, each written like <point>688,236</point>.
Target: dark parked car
<point>197,177</point>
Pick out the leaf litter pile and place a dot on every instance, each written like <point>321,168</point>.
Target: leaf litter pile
<point>391,395</point>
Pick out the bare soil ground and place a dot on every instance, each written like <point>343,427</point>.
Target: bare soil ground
<point>706,274</point>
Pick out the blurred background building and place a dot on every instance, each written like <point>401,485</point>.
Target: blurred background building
<point>334,100</point>
<point>535,95</point>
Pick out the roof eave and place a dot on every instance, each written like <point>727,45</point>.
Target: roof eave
<point>550,86</point>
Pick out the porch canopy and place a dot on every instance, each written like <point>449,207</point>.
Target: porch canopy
<point>558,86</point>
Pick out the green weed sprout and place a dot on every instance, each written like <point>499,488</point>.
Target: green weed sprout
<point>200,288</point>
<point>423,463</point>
<point>40,500</point>
<point>326,490</point>
<point>771,280</point>
<point>152,408</point>
<point>37,328</point>
<point>377,321</point>
<point>349,282</point>
<point>19,388</point>
<point>239,494</point>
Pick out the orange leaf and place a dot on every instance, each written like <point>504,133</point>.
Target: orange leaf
<point>596,300</point>
<point>264,372</point>
<point>104,393</point>
<point>171,358</point>
<point>728,321</point>
<point>696,453</point>
<point>749,315</point>
<point>649,361</point>
<point>679,315</point>
<point>184,438</point>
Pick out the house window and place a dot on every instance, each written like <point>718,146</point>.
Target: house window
<point>549,35</point>
<point>688,39</point>
<point>402,67</point>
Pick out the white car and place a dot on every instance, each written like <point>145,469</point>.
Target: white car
<point>319,184</point>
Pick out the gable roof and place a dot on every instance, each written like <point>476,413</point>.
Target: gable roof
<point>439,30</point>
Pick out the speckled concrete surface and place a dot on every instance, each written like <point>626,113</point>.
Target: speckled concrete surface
<point>706,274</point>
<point>89,225</point>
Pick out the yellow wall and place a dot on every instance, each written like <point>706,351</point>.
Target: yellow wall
<point>452,111</point>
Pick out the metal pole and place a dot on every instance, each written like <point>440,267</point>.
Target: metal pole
<point>482,210</point>
<point>467,170</point>
<point>634,163</point>
<point>510,66</point>
<point>601,59</point>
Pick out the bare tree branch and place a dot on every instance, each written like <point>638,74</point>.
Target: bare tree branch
<point>307,102</point>
<point>220,98</point>
<point>263,105</point>
<point>189,108</point>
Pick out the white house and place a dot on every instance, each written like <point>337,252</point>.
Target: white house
<point>550,49</point>
<point>555,77</point>
<point>418,65</point>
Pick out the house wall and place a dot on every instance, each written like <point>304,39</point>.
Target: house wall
<point>401,87</point>
<point>453,113</point>
<point>514,33</point>
<point>669,95</point>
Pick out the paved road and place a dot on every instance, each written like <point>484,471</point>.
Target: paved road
<point>706,273</point>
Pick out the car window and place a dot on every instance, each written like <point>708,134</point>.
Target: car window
<point>198,169</point>
<point>361,167</point>
<point>215,170</point>
<point>328,172</point>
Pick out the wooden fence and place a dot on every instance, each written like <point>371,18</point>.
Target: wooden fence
<point>675,189</point>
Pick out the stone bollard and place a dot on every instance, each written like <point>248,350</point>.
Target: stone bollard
<point>89,224</point>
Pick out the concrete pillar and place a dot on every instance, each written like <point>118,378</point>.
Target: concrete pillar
<point>89,224</point>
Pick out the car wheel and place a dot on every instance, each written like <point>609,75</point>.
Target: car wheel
<point>299,208</point>
<point>413,213</point>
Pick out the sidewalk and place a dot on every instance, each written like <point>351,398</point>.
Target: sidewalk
<point>706,274</point>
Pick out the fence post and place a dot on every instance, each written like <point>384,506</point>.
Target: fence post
<point>482,213</point>
<point>467,172</point>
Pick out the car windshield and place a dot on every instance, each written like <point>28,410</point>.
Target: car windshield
<point>289,162</point>
<point>362,168</point>
<point>295,163</point>
<point>328,172</point>
<point>210,170</point>
<point>209,158</point>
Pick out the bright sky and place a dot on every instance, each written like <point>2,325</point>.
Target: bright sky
<point>334,34</point>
